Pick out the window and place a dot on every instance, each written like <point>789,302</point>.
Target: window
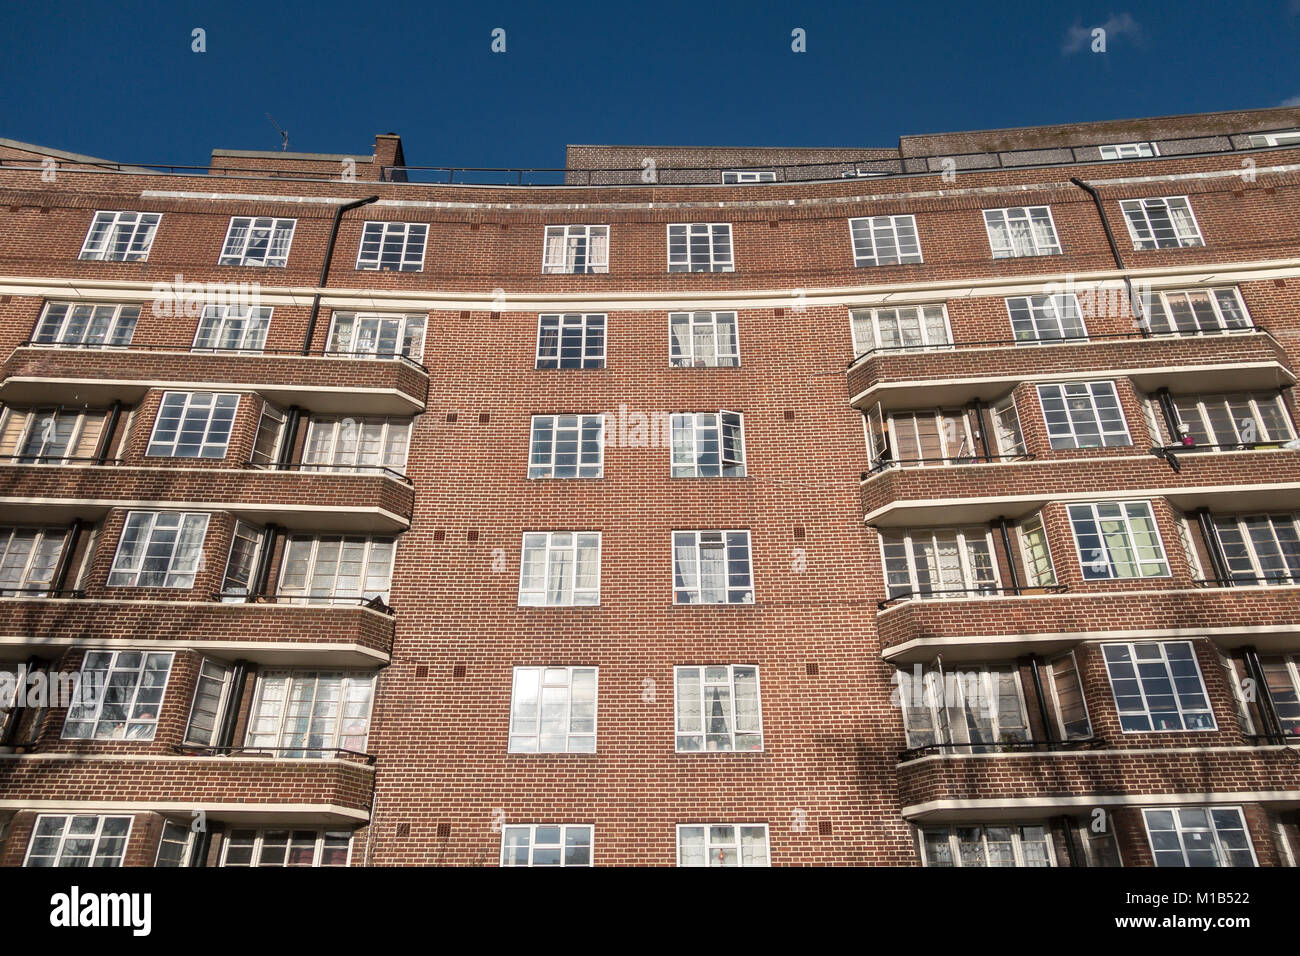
<point>700,247</point>
<point>1083,415</point>
<point>59,436</point>
<point>333,569</point>
<point>708,445</point>
<point>120,236</point>
<point>571,340</point>
<point>553,710</point>
<point>1129,151</point>
<point>733,177</point>
<point>28,557</point>
<point>1021,231</point>
<point>913,327</point>
<point>1196,312</point>
<point>209,703</point>
<point>229,328</point>
<point>356,444</point>
<point>270,429</point>
<point>1067,691</point>
<point>1262,549</point>
<point>702,339</point>
<point>81,840</point>
<point>560,568</point>
<point>1118,539</point>
<point>884,240</point>
<point>939,564</point>
<point>1006,427</point>
<point>127,709</point>
<point>992,845</point>
<point>1199,836</point>
<point>722,844</point>
<point>712,567</point>
<point>1282,678</point>
<point>940,436</point>
<point>193,425</point>
<point>260,241</point>
<point>979,709</point>
<point>1035,554</point>
<point>1165,223</point>
<point>286,848</point>
<point>356,335</point>
<point>718,709</point>
<point>1234,421</point>
<point>392,246</point>
<point>65,323</point>
<point>159,549</point>
<point>311,713</point>
<point>1045,318</point>
<point>567,446</point>
<point>175,845</point>
<point>575,250</point>
<point>245,545</point>
<point>1158,687</point>
<point>533,844</point>
<point>1282,138</point>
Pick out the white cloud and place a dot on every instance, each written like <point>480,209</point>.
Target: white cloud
<point>1117,25</point>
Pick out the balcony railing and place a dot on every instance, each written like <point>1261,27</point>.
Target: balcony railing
<point>219,350</point>
<point>885,464</point>
<point>323,468</point>
<point>323,753</point>
<point>304,600</point>
<point>1003,746</point>
<point>1279,580</point>
<point>987,591</point>
<point>67,593</point>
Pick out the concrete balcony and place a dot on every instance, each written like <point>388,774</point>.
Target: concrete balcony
<point>328,385</point>
<point>339,635</point>
<point>1001,626</point>
<point>311,501</point>
<point>900,379</point>
<point>1229,481</point>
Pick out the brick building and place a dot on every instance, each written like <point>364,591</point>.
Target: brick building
<point>908,506</point>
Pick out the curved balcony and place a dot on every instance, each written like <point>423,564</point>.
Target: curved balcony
<point>910,378</point>
<point>327,384</point>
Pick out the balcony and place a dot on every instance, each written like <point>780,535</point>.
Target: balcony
<point>271,634</point>
<point>372,501</point>
<point>903,378</point>
<point>326,384</point>
<point>1035,621</point>
<point>331,791</point>
<point>1231,480</point>
<point>987,786</point>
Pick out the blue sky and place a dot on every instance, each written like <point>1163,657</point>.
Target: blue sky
<point>119,80</point>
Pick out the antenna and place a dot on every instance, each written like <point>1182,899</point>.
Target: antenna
<point>284,137</point>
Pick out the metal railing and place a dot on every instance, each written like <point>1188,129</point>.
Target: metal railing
<point>18,458</point>
<point>324,753</point>
<point>72,593</point>
<point>1275,580</point>
<point>987,591</point>
<point>325,468</point>
<point>218,350</point>
<point>303,600</point>
<point>1003,746</point>
<point>885,464</point>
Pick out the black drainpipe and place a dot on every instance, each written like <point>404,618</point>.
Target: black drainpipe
<point>1011,561</point>
<point>1267,709</point>
<point>263,570</point>
<point>1171,415</point>
<point>1114,251</point>
<point>106,440</point>
<point>1212,545</point>
<point>1042,699</point>
<point>60,580</point>
<point>290,439</point>
<point>325,266</point>
<point>1071,851</point>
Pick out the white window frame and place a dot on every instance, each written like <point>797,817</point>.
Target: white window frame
<point>1290,664</point>
<point>210,672</point>
<point>701,685</point>
<point>945,701</point>
<point>709,845</point>
<point>1008,436</point>
<point>921,334</point>
<point>91,713</point>
<point>41,558</point>
<point>120,236</point>
<point>566,430</point>
<point>280,716</point>
<point>693,431</point>
<point>586,325</point>
<point>275,236</point>
<point>148,522</point>
<point>1023,530</point>
<point>244,328</point>
<point>244,532</point>
<point>1026,214</point>
<point>561,244</point>
<point>115,322</point>
<point>1142,150</point>
<point>1159,302</point>
<point>1181,830</point>
<point>1058,711</point>
<point>168,837</point>
<point>307,594</point>
<point>259,841</point>
<point>400,235</point>
<point>576,741</point>
<point>346,449</point>
<point>1069,392</point>
<point>695,541</point>
<point>1047,317</point>
<point>692,360</point>
<point>97,837</point>
<point>1017,842</point>
<point>212,443</point>
<point>1183,712</point>
<point>739,177</point>
<point>564,829</point>
<point>718,261</point>
<point>1250,546</point>
<point>1200,406</point>
<point>1137,216</point>
<point>865,233</point>
<point>1126,516</point>
<point>1286,137</point>
<point>972,587</point>
<point>408,343</point>
<point>41,426</point>
<point>570,595</point>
